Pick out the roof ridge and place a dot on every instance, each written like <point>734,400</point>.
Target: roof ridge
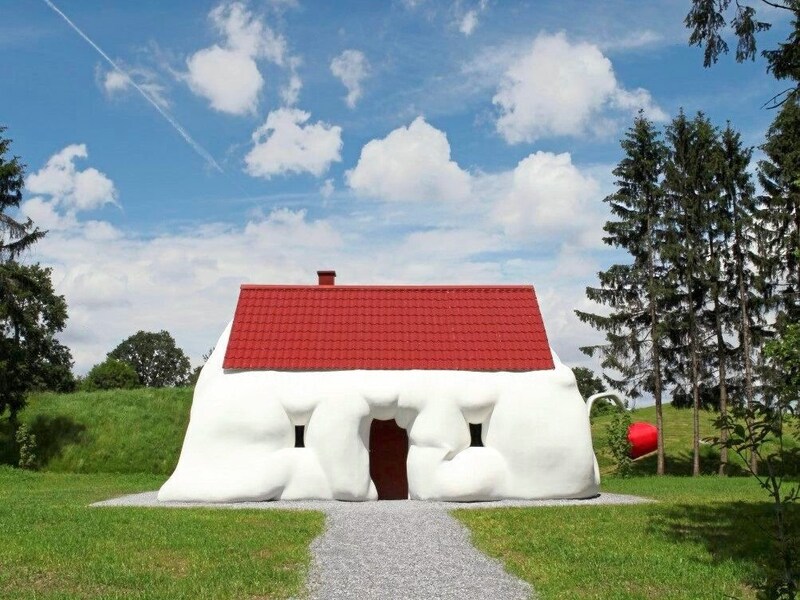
<point>256,286</point>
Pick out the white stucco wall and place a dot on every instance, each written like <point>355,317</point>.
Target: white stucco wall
<point>240,442</point>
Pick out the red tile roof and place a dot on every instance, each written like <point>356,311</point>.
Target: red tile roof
<point>465,328</point>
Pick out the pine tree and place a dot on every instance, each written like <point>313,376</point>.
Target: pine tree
<point>779,175</point>
<point>30,311</point>
<point>690,190</point>
<point>15,236</point>
<point>744,265</point>
<point>718,314</point>
<point>634,338</point>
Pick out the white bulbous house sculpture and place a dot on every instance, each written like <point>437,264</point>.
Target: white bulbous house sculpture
<point>385,392</point>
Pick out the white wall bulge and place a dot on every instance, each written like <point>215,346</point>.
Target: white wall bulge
<point>240,442</point>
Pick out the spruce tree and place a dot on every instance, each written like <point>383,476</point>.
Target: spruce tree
<point>779,175</point>
<point>744,265</point>
<point>690,191</point>
<point>718,312</point>
<point>31,314</point>
<point>15,236</point>
<point>634,340</point>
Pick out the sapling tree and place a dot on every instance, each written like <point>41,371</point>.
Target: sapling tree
<point>757,433</point>
<point>618,441</point>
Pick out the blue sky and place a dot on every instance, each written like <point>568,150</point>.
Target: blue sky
<point>407,141</point>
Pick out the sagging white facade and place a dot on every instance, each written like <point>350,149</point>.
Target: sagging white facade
<point>240,441</point>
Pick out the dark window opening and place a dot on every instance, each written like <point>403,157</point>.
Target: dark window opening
<point>475,435</point>
<point>299,436</point>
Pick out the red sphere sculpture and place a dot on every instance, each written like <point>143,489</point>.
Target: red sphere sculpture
<point>643,438</point>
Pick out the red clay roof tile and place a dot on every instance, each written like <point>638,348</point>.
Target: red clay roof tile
<point>309,328</point>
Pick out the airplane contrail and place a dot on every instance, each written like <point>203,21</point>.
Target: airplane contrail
<point>204,154</point>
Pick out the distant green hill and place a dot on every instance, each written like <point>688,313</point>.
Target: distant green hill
<point>118,431</point>
<point>141,431</point>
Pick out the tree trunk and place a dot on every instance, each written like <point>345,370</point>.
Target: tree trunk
<point>723,382</point>
<point>695,373</point>
<point>660,462</point>
<point>748,357</point>
<point>695,408</point>
<point>654,339</point>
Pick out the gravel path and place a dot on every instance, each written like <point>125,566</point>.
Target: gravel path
<point>402,549</point>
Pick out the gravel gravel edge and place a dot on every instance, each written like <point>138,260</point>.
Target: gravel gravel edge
<point>150,499</point>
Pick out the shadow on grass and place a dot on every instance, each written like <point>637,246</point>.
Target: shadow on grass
<point>740,532</point>
<point>53,434</point>
<point>681,464</point>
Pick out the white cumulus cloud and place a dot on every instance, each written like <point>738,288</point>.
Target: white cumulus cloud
<point>68,187</point>
<point>286,144</point>
<point>562,88</point>
<point>351,67</point>
<point>410,164</point>
<point>547,194</point>
<point>227,74</point>
<point>229,79</point>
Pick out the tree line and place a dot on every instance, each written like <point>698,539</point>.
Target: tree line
<point>712,270</point>
<point>32,316</point>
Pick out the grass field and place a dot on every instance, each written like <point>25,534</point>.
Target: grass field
<point>705,538</point>
<point>52,545</point>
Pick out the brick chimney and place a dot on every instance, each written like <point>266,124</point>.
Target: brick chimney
<point>326,277</point>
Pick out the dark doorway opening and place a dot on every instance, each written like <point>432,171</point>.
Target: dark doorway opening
<point>299,436</point>
<point>388,450</point>
<point>475,435</point>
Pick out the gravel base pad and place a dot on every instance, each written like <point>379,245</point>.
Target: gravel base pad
<point>406,549</point>
<point>329,506</point>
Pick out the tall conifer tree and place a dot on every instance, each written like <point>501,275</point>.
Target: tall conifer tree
<point>634,291</point>
<point>779,175</point>
<point>744,264</point>
<point>690,189</point>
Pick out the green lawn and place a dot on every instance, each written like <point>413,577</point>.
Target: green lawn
<point>52,545</point>
<point>705,538</point>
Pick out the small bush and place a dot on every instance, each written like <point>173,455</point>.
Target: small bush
<point>618,442</point>
<point>26,442</point>
<point>602,407</point>
<point>110,374</point>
